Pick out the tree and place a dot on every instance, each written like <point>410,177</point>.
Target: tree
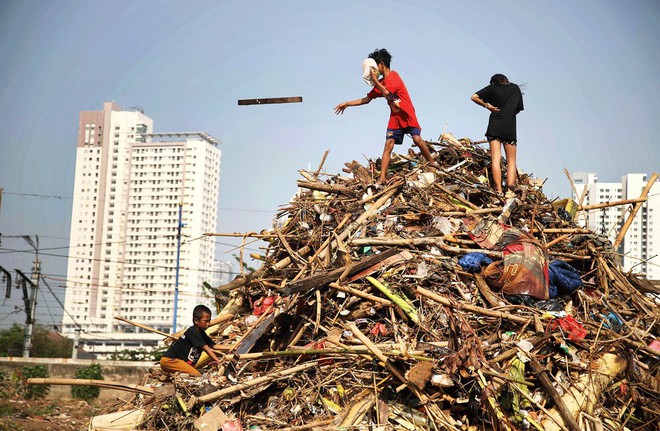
<point>45,343</point>
<point>11,341</point>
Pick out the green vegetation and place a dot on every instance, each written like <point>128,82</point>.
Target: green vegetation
<point>87,393</point>
<point>30,392</point>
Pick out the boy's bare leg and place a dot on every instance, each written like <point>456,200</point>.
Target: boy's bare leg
<point>496,163</point>
<point>421,143</point>
<point>511,168</point>
<point>385,161</point>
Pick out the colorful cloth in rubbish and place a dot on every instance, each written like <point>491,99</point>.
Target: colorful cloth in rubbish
<point>564,279</point>
<point>524,267</point>
<point>473,262</point>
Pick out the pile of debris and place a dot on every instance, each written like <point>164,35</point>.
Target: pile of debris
<point>428,303</point>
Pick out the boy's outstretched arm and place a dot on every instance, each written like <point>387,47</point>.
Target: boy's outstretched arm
<point>339,109</point>
<point>211,353</point>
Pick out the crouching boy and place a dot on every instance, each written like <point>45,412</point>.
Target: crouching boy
<point>183,355</point>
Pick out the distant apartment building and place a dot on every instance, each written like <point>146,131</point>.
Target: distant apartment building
<point>223,273</point>
<point>129,186</point>
<point>640,248</point>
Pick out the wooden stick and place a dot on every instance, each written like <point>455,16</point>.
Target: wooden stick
<point>633,213</point>
<point>318,170</point>
<point>328,188</point>
<point>308,426</point>
<point>90,382</point>
<point>612,204</point>
<point>457,197</point>
<point>270,100</point>
<point>565,413</point>
<point>139,325</point>
<point>361,294</point>
<point>277,375</point>
<point>471,308</point>
<point>399,300</point>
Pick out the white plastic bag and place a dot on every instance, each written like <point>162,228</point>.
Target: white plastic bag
<point>366,75</point>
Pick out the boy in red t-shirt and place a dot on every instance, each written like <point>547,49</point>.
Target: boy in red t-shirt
<point>402,112</point>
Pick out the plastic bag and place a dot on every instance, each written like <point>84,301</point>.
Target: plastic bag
<point>472,262</point>
<point>564,279</point>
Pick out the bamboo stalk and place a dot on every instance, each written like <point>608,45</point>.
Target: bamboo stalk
<point>633,213</point>
<point>472,308</point>
<point>399,300</point>
<point>148,328</point>
<point>277,375</point>
<point>612,204</point>
<point>361,294</point>
<point>91,382</point>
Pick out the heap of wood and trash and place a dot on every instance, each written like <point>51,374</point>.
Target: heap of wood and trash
<point>428,303</point>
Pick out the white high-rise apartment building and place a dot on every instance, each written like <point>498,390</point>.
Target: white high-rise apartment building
<point>129,186</point>
<point>641,244</point>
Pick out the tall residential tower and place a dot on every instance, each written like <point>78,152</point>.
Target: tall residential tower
<point>641,244</point>
<point>129,186</point>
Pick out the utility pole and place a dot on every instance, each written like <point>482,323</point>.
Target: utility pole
<point>178,258</point>
<point>76,344</point>
<point>31,302</point>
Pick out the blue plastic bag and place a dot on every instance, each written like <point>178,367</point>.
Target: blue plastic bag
<point>564,279</point>
<point>472,262</point>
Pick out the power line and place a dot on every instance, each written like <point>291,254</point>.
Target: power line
<point>37,195</point>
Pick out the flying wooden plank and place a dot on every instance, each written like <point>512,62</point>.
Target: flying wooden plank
<point>269,101</point>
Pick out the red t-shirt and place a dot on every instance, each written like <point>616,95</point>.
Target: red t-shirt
<point>400,116</point>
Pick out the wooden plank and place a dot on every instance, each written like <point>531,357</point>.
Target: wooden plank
<point>318,280</point>
<point>270,101</point>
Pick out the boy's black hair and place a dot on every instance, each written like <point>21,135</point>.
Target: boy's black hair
<point>499,79</point>
<point>381,56</point>
<point>199,311</point>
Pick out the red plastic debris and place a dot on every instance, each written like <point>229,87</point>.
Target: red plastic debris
<point>572,327</point>
<point>262,305</point>
<point>379,329</point>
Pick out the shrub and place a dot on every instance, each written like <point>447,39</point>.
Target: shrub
<point>31,392</point>
<point>87,393</point>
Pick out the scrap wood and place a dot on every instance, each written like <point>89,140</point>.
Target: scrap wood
<point>583,395</point>
<point>466,330</point>
<point>277,375</point>
<point>633,213</point>
<point>472,308</point>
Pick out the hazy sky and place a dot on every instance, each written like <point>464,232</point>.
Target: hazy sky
<point>590,70</point>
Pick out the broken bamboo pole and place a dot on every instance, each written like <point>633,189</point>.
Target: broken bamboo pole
<point>90,382</point>
<point>633,213</point>
<point>612,204</point>
<point>471,308</point>
<point>272,377</point>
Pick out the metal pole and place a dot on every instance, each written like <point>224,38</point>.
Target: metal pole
<point>34,287</point>
<point>76,344</point>
<point>176,277</point>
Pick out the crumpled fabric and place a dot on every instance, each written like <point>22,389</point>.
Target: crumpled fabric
<point>524,268</point>
<point>473,262</point>
<point>564,279</point>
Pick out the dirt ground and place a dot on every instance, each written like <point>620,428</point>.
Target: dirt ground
<point>46,415</point>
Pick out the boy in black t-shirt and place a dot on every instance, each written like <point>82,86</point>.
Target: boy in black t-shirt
<point>182,356</point>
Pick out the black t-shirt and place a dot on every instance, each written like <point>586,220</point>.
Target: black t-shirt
<point>189,347</point>
<point>508,98</point>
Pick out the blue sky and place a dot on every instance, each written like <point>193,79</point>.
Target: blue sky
<point>590,70</point>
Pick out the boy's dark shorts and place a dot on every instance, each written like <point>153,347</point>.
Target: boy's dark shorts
<point>397,134</point>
